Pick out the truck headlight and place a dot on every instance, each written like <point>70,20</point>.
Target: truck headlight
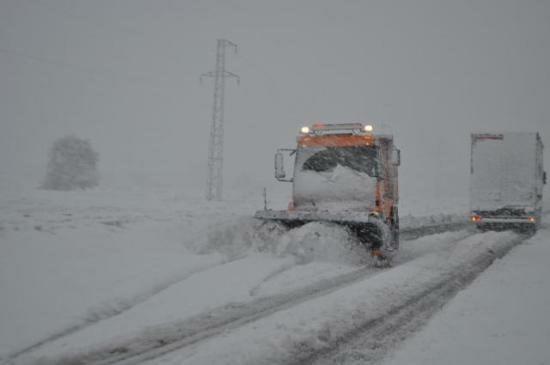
<point>304,130</point>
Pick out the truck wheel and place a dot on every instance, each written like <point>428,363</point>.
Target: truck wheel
<point>370,236</point>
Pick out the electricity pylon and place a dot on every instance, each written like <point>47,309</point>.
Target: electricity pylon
<point>214,182</point>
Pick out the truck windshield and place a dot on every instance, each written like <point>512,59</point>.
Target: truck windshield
<point>359,158</point>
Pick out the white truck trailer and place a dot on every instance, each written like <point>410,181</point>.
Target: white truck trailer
<point>506,181</point>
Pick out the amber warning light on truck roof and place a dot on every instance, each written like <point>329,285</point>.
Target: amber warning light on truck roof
<point>487,136</point>
<point>327,128</point>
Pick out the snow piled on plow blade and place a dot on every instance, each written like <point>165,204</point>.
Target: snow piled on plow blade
<point>310,242</point>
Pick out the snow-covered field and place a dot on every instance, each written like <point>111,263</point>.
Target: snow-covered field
<point>71,259</point>
<point>92,275</point>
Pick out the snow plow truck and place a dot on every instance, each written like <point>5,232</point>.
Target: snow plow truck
<point>345,174</point>
<point>506,181</point>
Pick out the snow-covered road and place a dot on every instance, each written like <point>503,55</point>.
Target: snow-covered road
<point>276,285</point>
<point>500,319</point>
<point>163,285</point>
<point>300,333</point>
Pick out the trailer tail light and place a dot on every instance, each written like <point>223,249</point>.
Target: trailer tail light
<point>475,218</point>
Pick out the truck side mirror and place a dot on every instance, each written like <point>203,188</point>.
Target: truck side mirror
<point>280,156</point>
<point>280,173</point>
<point>396,157</point>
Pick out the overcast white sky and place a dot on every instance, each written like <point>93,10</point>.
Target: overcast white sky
<point>125,74</point>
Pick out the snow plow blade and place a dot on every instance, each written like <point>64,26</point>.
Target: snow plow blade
<point>302,217</point>
<point>369,229</point>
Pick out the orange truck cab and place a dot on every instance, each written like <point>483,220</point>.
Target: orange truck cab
<point>345,174</point>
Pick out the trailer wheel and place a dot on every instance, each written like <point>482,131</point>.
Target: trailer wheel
<point>482,227</point>
<point>528,229</point>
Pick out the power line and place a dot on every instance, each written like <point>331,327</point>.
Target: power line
<point>214,182</point>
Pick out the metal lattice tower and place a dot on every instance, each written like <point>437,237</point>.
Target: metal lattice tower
<point>214,182</point>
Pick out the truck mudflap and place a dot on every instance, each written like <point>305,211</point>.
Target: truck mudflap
<point>370,229</point>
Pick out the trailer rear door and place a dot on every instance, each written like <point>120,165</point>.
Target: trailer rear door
<point>503,170</point>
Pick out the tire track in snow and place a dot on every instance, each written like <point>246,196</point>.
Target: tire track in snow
<point>97,315</point>
<point>161,340</point>
<point>156,342</point>
<point>370,342</point>
<point>254,291</point>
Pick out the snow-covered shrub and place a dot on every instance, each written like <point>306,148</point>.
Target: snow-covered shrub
<point>72,165</point>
